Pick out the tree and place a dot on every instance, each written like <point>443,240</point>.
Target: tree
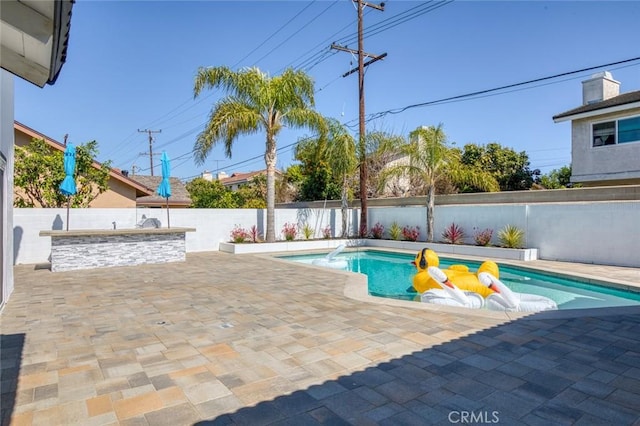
<point>558,178</point>
<point>341,154</point>
<point>252,195</point>
<point>382,148</point>
<point>39,170</point>
<point>510,168</point>
<point>212,194</point>
<point>256,102</point>
<point>289,185</point>
<point>317,182</point>
<point>429,159</point>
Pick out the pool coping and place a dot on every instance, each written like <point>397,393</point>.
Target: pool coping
<point>356,287</point>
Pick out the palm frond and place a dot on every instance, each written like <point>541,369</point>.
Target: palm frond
<point>229,118</point>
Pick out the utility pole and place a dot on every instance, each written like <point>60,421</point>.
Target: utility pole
<point>150,145</point>
<point>217,165</point>
<point>362,151</point>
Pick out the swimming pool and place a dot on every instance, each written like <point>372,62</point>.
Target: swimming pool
<point>390,275</point>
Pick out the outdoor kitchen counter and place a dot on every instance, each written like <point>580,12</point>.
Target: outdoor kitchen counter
<point>102,248</point>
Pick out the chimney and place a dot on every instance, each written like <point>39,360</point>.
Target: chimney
<point>600,87</point>
<point>222,175</point>
<point>206,175</point>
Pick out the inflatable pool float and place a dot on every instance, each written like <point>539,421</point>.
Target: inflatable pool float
<point>503,299</point>
<point>449,294</point>
<point>330,260</point>
<point>457,274</point>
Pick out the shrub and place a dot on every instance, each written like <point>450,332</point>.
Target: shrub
<point>377,231</point>
<point>483,238</point>
<point>395,231</point>
<point>307,231</point>
<point>453,234</point>
<point>239,235</point>
<point>410,233</point>
<point>326,232</point>
<point>511,237</point>
<point>255,234</point>
<point>290,230</point>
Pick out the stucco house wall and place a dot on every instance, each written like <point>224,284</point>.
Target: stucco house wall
<point>615,164</point>
<point>6,149</point>
<point>119,195</point>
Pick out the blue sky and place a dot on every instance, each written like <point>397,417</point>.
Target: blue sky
<point>131,66</point>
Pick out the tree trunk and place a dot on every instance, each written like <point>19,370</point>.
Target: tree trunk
<point>430,203</point>
<point>270,161</point>
<point>345,208</point>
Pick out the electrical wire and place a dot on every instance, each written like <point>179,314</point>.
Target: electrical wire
<point>295,33</point>
<point>274,33</point>
<point>476,94</point>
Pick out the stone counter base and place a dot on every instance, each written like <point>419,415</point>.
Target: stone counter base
<point>101,251</point>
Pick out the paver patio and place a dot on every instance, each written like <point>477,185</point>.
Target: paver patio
<point>224,339</point>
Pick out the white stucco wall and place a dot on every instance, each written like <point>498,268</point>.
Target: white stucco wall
<point>6,147</point>
<point>597,232</point>
<point>212,225</point>
<point>600,232</point>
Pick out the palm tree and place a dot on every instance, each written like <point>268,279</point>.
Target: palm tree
<point>256,102</point>
<point>341,155</point>
<point>430,159</point>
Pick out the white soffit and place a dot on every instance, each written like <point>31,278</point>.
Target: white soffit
<point>26,38</point>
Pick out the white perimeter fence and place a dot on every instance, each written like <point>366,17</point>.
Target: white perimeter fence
<point>605,233</point>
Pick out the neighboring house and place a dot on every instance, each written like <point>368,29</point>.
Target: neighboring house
<point>34,36</point>
<point>237,180</point>
<point>179,194</point>
<point>605,134</point>
<point>396,186</point>
<point>123,191</point>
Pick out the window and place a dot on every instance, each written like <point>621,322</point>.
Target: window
<point>604,133</point>
<point>629,130</point>
<point>616,132</point>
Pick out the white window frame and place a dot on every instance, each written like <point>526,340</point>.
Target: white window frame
<point>625,118</point>
<point>615,121</point>
<point>615,132</point>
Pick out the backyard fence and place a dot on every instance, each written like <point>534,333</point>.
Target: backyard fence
<point>587,232</point>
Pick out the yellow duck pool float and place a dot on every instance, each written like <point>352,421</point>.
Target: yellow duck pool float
<point>459,275</point>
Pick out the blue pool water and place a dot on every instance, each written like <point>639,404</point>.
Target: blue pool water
<point>391,274</point>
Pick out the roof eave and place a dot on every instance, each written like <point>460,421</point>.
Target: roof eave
<point>62,25</point>
<point>60,147</point>
<point>601,111</point>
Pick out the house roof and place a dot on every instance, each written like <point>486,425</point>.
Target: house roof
<point>244,177</point>
<point>141,190</point>
<point>179,194</point>
<point>616,101</point>
<point>35,37</point>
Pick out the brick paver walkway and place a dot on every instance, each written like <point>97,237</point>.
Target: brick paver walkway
<point>225,339</point>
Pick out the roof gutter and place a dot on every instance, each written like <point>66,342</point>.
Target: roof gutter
<point>60,42</point>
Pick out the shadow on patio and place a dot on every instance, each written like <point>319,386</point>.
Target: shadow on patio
<point>11,346</point>
<point>531,371</point>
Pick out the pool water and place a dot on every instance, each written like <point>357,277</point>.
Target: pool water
<point>391,275</point>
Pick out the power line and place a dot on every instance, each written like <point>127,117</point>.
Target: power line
<point>310,62</point>
<point>301,28</point>
<point>458,98</point>
<point>396,20</point>
<point>274,33</point>
<point>495,89</point>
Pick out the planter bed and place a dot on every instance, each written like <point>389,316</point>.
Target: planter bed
<point>463,250</point>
